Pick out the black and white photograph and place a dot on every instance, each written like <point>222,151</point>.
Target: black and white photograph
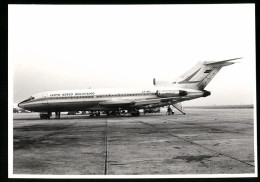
<point>132,91</point>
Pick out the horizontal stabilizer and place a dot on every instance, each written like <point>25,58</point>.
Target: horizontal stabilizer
<point>220,62</point>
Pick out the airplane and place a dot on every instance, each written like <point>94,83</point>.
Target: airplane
<point>188,86</point>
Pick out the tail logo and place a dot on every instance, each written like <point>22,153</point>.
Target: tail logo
<point>207,71</point>
<point>187,80</point>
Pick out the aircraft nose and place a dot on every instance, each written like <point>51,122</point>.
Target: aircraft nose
<point>20,105</point>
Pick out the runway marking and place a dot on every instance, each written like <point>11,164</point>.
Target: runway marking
<point>194,143</point>
<point>106,152</point>
<point>212,128</point>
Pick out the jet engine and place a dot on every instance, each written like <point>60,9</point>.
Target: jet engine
<point>171,93</point>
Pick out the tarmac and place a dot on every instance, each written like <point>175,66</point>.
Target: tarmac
<point>204,141</point>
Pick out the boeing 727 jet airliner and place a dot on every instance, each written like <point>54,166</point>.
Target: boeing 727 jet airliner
<point>188,86</point>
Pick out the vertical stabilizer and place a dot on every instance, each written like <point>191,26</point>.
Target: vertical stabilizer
<point>201,74</point>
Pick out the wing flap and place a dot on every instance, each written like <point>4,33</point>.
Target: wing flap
<point>154,101</point>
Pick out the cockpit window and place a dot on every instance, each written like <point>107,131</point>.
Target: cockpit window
<point>31,98</point>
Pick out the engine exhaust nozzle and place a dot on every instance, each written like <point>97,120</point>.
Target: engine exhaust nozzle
<point>206,93</point>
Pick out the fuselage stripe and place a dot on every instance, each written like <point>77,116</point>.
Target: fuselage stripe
<point>90,97</point>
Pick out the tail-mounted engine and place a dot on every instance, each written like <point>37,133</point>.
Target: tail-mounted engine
<point>171,93</point>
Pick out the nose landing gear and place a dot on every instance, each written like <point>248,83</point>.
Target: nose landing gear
<point>57,115</point>
<point>45,115</point>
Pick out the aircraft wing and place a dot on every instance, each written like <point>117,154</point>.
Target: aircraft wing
<point>117,103</point>
<point>136,103</point>
<point>154,101</point>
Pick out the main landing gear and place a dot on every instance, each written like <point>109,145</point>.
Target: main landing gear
<point>113,113</point>
<point>135,113</point>
<point>94,113</point>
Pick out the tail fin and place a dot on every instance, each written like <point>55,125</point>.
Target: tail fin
<point>201,74</point>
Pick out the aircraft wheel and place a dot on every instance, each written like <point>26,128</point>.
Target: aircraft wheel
<point>136,114</point>
<point>97,113</point>
<point>107,113</point>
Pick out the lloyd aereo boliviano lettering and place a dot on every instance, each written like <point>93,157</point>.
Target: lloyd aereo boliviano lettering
<point>72,94</point>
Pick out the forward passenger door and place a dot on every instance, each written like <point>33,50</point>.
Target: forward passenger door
<point>44,97</point>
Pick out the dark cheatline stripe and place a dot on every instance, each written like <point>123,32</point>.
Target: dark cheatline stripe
<point>88,97</point>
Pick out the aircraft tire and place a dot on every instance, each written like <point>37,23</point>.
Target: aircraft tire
<point>107,113</point>
<point>97,113</point>
<point>136,114</point>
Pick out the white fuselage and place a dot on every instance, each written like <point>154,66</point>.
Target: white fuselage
<point>188,86</point>
<point>106,99</point>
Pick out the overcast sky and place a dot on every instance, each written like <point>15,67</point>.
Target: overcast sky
<point>59,47</point>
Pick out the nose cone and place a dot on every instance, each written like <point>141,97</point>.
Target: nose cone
<point>21,105</point>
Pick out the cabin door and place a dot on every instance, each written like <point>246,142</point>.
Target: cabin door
<point>44,97</point>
